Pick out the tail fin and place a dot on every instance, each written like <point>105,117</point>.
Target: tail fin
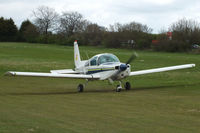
<point>77,59</point>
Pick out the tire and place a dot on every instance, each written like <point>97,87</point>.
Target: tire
<point>127,86</point>
<point>80,88</point>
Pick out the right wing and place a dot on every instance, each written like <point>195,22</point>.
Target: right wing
<point>56,75</point>
<point>161,69</point>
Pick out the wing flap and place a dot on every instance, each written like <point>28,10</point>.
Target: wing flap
<point>64,71</point>
<point>161,69</point>
<point>55,75</point>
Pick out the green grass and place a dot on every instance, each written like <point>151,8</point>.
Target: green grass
<point>165,102</point>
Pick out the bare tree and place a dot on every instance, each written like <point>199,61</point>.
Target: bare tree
<point>134,26</point>
<point>130,27</point>
<point>184,25</point>
<point>94,28</point>
<point>45,19</point>
<point>186,30</point>
<point>117,27</point>
<point>72,22</point>
<point>93,34</point>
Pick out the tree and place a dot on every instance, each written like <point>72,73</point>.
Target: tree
<point>72,22</point>
<point>45,19</point>
<point>28,31</point>
<point>184,34</point>
<point>93,34</point>
<point>139,33</point>
<point>186,30</point>
<point>130,27</point>
<point>8,30</point>
<point>138,27</point>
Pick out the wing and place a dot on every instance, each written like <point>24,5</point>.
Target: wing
<point>161,69</point>
<point>56,75</point>
<point>64,71</point>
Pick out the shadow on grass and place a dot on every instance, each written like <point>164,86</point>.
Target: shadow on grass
<point>99,91</point>
<point>61,93</point>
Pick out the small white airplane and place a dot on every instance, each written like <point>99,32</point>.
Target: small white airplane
<point>104,66</point>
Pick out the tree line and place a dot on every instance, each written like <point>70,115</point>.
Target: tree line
<point>50,27</point>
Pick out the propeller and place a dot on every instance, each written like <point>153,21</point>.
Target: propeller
<point>133,57</point>
<point>121,67</point>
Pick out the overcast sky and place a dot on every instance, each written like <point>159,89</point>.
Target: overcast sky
<point>157,14</point>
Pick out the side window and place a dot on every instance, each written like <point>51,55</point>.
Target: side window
<point>93,61</point>
<point>87,64</point>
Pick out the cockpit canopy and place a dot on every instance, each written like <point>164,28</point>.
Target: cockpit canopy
<point>105,58</point>
<point>102,59</point>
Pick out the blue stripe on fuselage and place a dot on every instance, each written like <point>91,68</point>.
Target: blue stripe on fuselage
<point>96,71</point>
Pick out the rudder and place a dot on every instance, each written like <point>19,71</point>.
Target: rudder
<point>77,59</point>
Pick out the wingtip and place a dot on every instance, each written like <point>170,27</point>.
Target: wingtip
<point>9,73</point>
<point>75,42</point>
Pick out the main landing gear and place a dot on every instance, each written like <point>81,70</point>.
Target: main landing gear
<point>80,87</point>
<point>127,86</point>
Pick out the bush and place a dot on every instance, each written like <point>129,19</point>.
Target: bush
<point>112,40</point>
<point>142,44</point>
<point>171,46</point>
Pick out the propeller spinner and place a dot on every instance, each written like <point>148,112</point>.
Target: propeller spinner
<point>123,67</point>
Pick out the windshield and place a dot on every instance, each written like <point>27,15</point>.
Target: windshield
<point>107,58</point>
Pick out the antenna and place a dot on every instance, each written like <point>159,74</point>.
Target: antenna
<point>87,55</point>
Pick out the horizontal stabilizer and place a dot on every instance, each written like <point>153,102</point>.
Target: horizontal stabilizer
<point>161,69</point>
<point>56,75</point>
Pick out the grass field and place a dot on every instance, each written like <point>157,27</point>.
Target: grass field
<point>166,102</point>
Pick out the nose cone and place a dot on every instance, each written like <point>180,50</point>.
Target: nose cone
<point>123,67</point>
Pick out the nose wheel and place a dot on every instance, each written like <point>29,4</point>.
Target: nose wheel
<point>118,88</point>
<point>127,86</point>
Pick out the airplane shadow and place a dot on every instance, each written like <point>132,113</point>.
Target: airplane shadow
<point>163,87</point>
<point>97,91</point>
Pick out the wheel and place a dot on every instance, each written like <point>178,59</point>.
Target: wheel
<point>118,88</point>
<point>80,88</point>
<point>127,86</point>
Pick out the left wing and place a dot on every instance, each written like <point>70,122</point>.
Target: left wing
<point>64,71</point>
<point>56,75</point>
<point>161,69</point>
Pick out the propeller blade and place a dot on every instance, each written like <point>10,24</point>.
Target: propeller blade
<point>133,56</point>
